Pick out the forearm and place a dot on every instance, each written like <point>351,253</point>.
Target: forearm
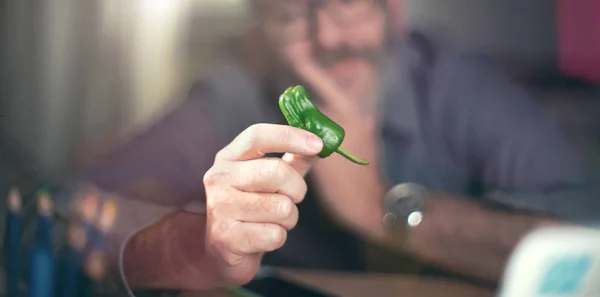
<point>457,234</point>
<point>465,237</point>
<point>171,255</point>
<point>460,236</point>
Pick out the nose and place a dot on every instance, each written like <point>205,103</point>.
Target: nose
<point>328,34</point>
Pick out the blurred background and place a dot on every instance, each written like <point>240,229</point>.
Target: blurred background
<point>76,74</point>
<point>74,71</point>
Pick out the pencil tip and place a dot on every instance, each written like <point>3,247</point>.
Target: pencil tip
<point>44,204</point>
<point>108,216</point>
<point>14,200</point>
<point>88,207</point>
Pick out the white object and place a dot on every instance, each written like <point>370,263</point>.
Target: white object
<point>554,262</point>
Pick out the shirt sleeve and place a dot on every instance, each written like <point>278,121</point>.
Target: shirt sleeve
<point>157,172</point>
<point>520,153</point>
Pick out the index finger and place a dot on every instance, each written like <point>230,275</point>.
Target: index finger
<point>260,139</point>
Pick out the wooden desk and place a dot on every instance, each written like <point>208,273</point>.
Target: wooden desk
<point>376,285</point>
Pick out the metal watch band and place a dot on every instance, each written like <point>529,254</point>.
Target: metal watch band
<point>405,204</point>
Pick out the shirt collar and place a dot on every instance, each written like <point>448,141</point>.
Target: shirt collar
<point>399,104</point>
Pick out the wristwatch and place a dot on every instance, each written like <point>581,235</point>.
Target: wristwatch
<point>405,206</point>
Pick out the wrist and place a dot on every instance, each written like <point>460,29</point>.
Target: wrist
<point>186,255</point>
<point>405,207</point>
<point>176,247</point>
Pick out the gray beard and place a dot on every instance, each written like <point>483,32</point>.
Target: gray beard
<point>371,104</point>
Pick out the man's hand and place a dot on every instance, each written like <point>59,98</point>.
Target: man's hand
<point>251,200</point>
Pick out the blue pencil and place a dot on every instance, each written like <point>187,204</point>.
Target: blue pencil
<point>95,264</point>
<point>106,222</point>
<point>87,211</point>
<point>71,260</point>
<point>41,257</point>
<point>12,241</point>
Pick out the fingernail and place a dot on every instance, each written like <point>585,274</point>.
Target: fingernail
<point>314,143</point>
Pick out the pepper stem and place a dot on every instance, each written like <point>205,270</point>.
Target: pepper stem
<point>340,150</point>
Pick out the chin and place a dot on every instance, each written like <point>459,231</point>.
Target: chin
<point>356,82</point>
<point>358,89</point>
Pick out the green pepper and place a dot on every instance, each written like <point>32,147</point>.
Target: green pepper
<point>301,113</point>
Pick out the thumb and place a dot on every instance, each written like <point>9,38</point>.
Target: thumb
<point>302,164</point>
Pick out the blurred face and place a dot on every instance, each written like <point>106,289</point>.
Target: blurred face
<point>344,37</point>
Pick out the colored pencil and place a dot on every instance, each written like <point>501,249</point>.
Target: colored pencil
<point>105,224</point>
<point>41,257</point>
<point>87,212</point>
<point>12,242</point>
<point>95,264</point>
<point>69,272</point>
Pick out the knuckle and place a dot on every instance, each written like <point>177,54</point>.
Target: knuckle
<point>214,233</point>
<point>215,210</point>
<point>232,259</point>
<point>218,209</point>
<point>252,133</point>
<point>214,177</point>
<point>290,219</point>
<point>212,208</point>
<point>219,155</point>
<point>284,207</point>
<point>218,238</point>
<point>277,169</point>
<point>287,134</point>
<point>210,178</point>
<point>293,218</point>
<point>250,138</point>
<point>303,190</point>
<point>254,128</point>
<point>278,236</point>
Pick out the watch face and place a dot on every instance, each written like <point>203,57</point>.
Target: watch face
<point>404,202</point>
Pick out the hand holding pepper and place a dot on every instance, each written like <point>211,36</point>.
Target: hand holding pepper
<point>301,113</point>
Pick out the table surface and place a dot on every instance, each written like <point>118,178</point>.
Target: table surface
<point>368,284</point>
<point>380,285</point>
